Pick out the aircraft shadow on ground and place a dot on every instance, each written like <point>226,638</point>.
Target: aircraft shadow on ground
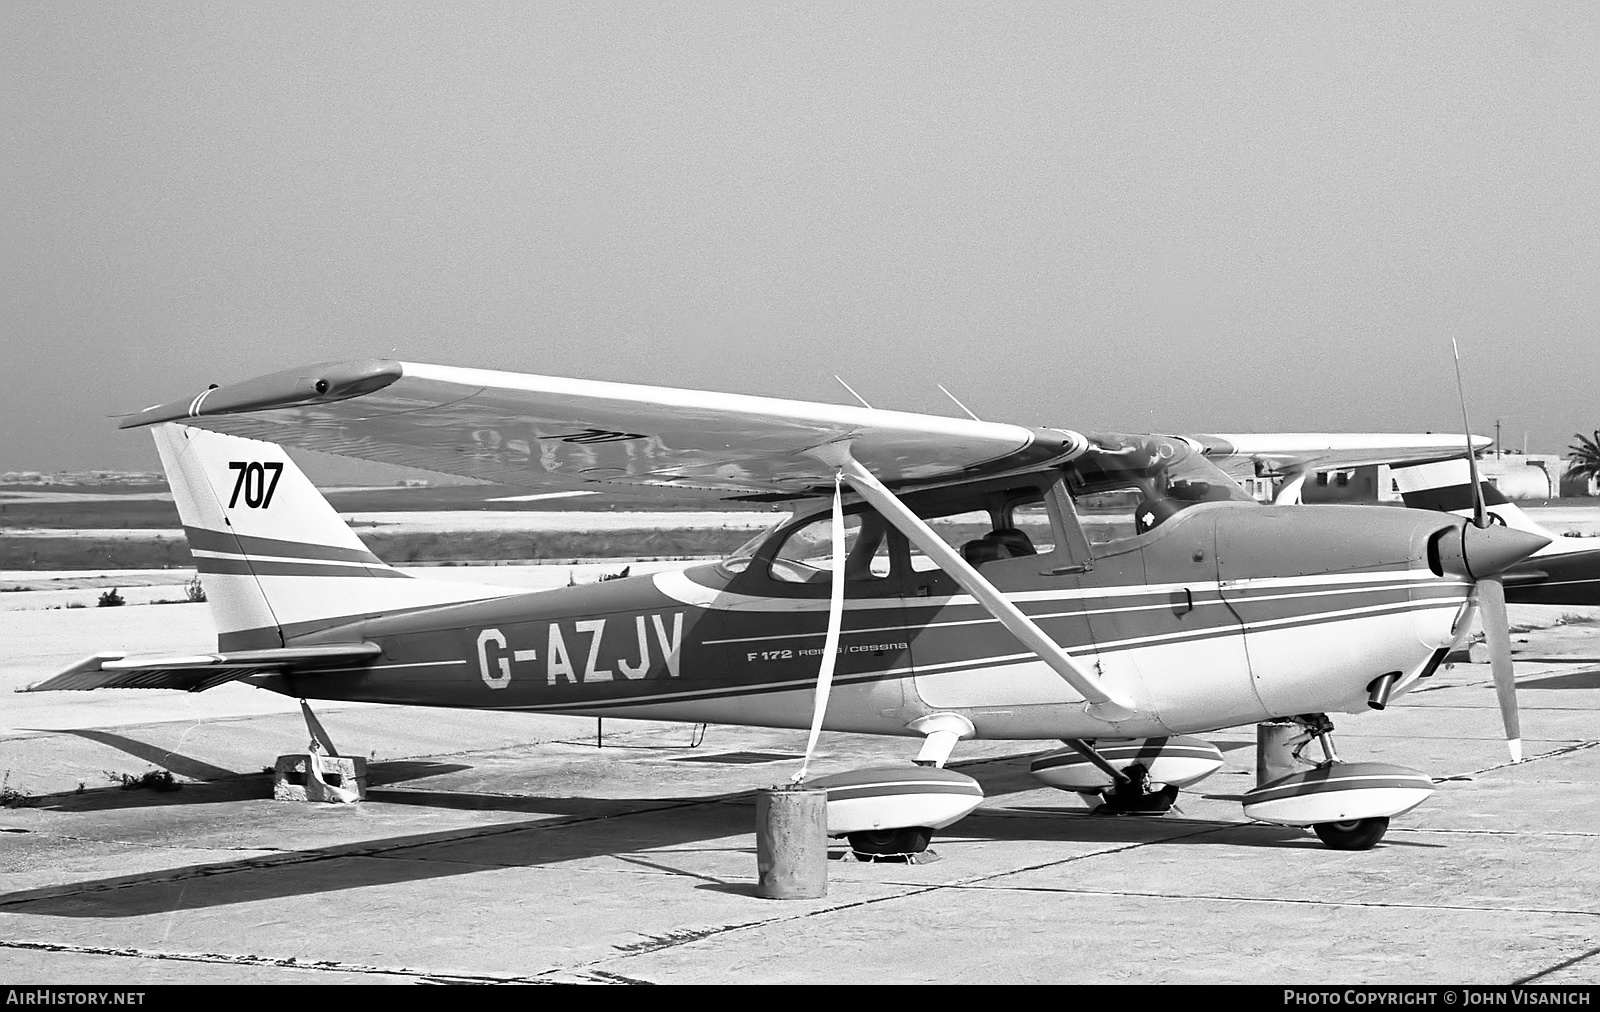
<point>1571,680</point>
<point>222,788</point>
<point>637,832</point>
<point>174,762</point>
<point>596,829</point>
<point>628,830</point>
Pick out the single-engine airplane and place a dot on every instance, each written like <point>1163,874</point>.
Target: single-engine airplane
<point>1114,591</point>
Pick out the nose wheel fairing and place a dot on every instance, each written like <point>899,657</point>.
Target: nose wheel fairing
<point>1338,792</point>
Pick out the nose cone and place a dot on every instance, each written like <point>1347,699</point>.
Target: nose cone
<point>1485,551</point>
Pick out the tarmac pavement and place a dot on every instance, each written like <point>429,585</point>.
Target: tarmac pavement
<point>506,847</point>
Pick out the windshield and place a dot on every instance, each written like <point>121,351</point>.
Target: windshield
<point>1129,484</point>
<point>738,560</point>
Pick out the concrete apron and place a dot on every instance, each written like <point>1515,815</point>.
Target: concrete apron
<point>499,847</point>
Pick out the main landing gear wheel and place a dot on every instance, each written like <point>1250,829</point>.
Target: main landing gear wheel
<point>1355,834</point>
<point>1136,796</point>
<point>881,844</point>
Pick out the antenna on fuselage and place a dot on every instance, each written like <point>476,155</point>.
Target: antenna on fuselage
<point>963,407</point>
<point>852,390</point>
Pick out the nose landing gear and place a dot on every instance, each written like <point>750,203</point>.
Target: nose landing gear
<point>1348,805</point>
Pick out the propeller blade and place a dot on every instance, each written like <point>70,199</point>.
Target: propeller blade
<point>1479,512</point>
<point>1497,632</point>
<point>1487,557</point>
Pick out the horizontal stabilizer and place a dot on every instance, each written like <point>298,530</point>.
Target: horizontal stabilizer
<point>198,672</point>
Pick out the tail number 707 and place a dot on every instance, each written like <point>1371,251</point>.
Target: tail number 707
<point>252,481</point>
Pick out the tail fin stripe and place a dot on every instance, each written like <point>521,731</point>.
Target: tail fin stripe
<point>202,539</point>
<point>254,566</point>
<point>1450,498</point>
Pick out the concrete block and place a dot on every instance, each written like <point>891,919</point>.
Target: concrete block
<point>792,843</point>
<point>309,776</point>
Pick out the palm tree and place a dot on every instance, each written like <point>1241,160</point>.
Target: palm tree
<point>1584,456</point>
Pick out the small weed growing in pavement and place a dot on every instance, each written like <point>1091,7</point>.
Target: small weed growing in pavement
<point>155,780</point>
<point>10,797</point>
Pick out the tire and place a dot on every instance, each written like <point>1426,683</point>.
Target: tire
<point>876,843</point>
<point>1356,834</point>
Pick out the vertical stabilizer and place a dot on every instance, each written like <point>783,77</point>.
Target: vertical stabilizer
<point>274,558</point>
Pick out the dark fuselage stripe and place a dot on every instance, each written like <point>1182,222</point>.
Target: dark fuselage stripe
<point>805,684</point>
<point>1448,592</point>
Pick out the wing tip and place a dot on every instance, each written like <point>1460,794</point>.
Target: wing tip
<point>313,384</point>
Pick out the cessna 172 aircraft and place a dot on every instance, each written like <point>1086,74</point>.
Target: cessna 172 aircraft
<point>1204,611</point>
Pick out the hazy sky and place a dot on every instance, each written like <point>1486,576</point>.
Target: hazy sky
<point>1180,217</point>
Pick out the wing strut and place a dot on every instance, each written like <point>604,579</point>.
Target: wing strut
<point>830,642</point>
<point>1102,704</point>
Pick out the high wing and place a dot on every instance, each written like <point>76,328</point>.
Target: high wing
<point>530,430</point>
<point>1244,455</point>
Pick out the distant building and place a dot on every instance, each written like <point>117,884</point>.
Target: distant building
<point>1516,475</point>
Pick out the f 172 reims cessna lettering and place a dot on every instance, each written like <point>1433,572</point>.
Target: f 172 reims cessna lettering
<point>1117,592</point>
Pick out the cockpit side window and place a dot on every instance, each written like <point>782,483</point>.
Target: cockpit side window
<point>807,553</point>
<point>992,524</point>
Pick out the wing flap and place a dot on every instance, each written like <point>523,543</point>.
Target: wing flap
<point>197,672</point>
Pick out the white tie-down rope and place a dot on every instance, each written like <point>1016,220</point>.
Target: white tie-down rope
<point>830,644</point>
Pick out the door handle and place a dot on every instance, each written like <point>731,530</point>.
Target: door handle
<point>1182,602</point>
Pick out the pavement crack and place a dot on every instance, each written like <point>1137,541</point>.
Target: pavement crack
<point>288,962</point>
<point>656,943</point>
<point>1564,750</point>
<point>683,936</point>
<point>283,859</point>
<point>1293,900</point>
